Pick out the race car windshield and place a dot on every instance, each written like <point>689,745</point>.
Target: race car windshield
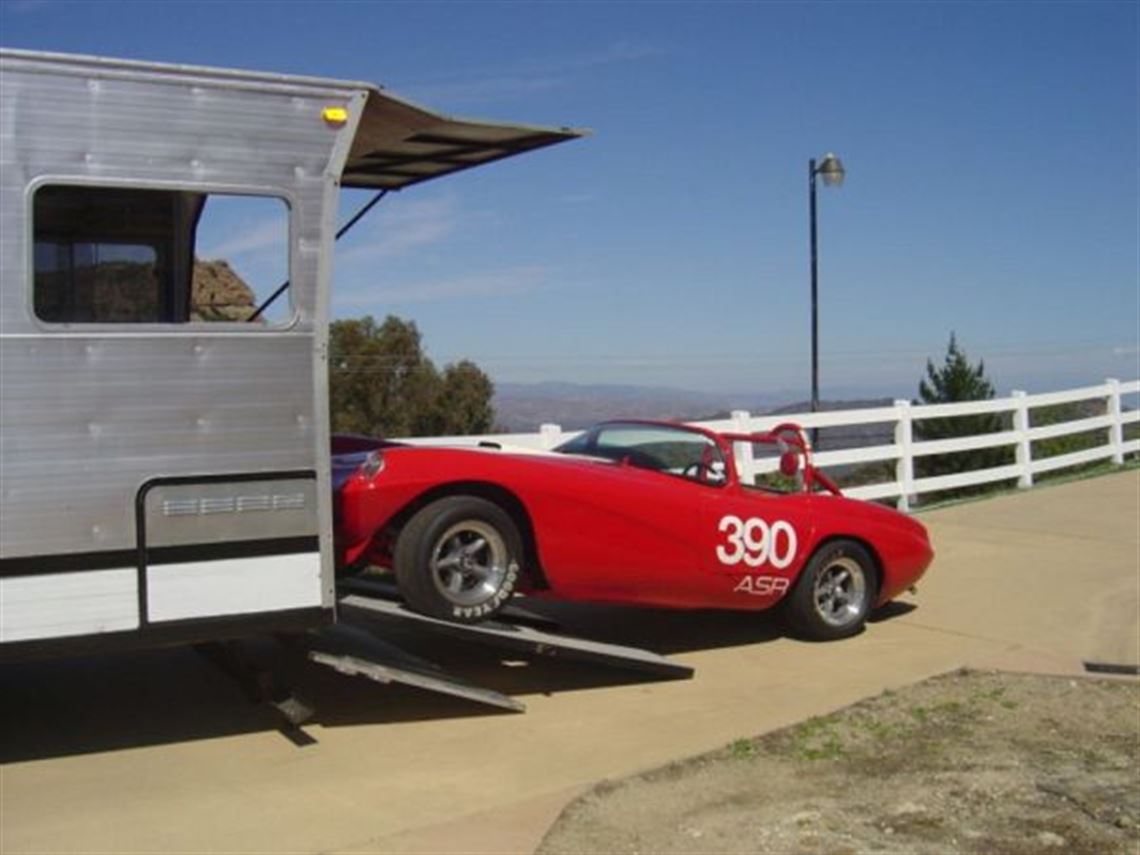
<point>674,451</point>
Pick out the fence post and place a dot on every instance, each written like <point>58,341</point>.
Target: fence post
<point>904,467</point>
<point>742,451</point>
<point>1116,429</point>
<point>1024,449</point>
<point>549,436</point>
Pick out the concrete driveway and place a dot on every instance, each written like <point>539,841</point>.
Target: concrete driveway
<point>159,752</point>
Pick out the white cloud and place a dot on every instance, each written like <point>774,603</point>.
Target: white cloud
<point>269,234</point>
<point>502,283</point>
<point>25,6</point>
<point>617,52</point>
<point>495,88</point>
<point>579,198</point>
<point>400,230</point>
<point>500,84</point>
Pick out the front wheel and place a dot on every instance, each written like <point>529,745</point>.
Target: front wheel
<point>834,592</point>
<point>458,559</point>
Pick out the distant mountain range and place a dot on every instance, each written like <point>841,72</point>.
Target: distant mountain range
<point>525,406</point>
<point>522,407</point>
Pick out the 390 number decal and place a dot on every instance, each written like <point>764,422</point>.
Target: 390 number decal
<point>756,542</point>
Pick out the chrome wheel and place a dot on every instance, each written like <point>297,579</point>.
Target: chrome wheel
<point>469,563</point>
<point>458,559</point>
<point>840,592</point>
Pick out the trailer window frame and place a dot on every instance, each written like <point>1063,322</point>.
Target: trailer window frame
<point>292,319</point>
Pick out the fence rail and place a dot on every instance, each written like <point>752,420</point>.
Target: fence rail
<point>905,449</point>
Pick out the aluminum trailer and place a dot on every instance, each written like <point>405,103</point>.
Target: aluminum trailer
<point>164,437</point>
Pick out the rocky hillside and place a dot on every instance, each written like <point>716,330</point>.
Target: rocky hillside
<point>219,293</point>
<point>129,292</point>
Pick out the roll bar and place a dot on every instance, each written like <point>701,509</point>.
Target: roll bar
<point>795,453</point>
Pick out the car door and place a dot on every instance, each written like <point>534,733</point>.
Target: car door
<point>754,543</point>
<point>630,530</point>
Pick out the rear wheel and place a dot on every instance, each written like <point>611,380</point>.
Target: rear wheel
<point>458,559</point>
<point>834,592</point>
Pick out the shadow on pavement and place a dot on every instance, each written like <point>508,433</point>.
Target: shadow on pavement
<point>109,702</point>
<point>893,609</point>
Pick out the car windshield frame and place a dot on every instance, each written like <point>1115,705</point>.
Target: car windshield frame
<point>712,467</point>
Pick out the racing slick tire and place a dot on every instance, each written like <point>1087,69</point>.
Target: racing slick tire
<point>834,593</point>
<point>458,559</point>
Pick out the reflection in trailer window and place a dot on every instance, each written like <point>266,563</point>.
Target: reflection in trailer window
<point>107,255</point>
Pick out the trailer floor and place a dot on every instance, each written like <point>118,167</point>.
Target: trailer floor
<point>159,751</point>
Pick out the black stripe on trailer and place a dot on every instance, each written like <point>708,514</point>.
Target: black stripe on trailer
<point>70,562</point>
<point>175,632</point>
<point>78,562</point>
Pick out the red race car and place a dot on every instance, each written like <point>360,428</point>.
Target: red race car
<point>645,513</point>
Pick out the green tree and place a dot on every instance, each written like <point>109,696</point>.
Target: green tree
<point>463,404</point>
<point>957,380</point>
<point>382,384</point>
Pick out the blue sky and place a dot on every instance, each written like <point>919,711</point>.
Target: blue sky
<point>993,180</point>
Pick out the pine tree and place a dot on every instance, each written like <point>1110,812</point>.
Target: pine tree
<point>957,380</point>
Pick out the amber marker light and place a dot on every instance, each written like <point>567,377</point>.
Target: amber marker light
<point>335,116</point>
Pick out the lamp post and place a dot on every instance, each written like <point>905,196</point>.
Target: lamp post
<point>831,169</point>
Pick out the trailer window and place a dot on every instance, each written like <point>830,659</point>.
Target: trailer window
<point>118,256</point>
<point>85,281</point>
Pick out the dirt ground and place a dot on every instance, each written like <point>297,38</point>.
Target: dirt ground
<point>967,762</point>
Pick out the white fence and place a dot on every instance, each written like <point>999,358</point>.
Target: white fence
<point>899,419</point>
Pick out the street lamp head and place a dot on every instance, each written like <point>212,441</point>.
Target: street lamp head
<point>831,169</point>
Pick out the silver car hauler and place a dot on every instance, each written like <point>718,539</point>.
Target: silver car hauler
<point>166,239</point>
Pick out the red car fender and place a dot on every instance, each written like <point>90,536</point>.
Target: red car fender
<point>899,543</point>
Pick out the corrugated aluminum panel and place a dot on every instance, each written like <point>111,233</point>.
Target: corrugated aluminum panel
<point>91,413</point>
<point>235,586</point>
<point>68,604</point>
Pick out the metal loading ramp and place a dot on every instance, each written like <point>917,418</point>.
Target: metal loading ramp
<point>355,652</point>
<point>357,645</point>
